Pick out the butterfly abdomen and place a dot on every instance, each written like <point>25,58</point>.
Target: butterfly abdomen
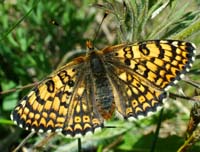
<point>102,88</point>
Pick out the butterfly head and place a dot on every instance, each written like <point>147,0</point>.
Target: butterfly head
<point>89,46</point>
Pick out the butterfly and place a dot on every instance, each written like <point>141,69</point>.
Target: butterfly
<point>128,79</point>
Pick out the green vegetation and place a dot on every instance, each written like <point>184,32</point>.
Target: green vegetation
<point>31,47</point>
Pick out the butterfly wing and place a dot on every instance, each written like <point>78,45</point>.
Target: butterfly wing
<point>85,118</point>
<point>60,103</point>
<point>142,72</point>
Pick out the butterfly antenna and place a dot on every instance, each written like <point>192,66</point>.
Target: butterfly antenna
<point>98,29</point>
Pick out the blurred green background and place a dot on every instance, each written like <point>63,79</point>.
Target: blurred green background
<point>31,47</point>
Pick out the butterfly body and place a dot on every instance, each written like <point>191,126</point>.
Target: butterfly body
<point>130,79</point>
<point>103,92</point>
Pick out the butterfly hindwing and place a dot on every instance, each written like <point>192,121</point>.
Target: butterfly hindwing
<point>83,118</point>
<point>134,98</point>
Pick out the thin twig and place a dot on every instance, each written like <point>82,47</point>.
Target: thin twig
<point>23,141</point>
<point>18,88</point>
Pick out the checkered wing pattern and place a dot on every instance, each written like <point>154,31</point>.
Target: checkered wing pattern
<point>60,103</point>
<point>142,72</point>
<point>130,79</point>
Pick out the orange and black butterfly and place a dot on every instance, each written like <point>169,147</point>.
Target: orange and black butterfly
<point>130,79</point>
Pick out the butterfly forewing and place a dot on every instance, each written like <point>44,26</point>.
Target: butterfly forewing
<point>130,78</point>
<point>159,62</point>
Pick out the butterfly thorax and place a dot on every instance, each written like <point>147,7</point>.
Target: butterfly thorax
<point>103,91</point>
